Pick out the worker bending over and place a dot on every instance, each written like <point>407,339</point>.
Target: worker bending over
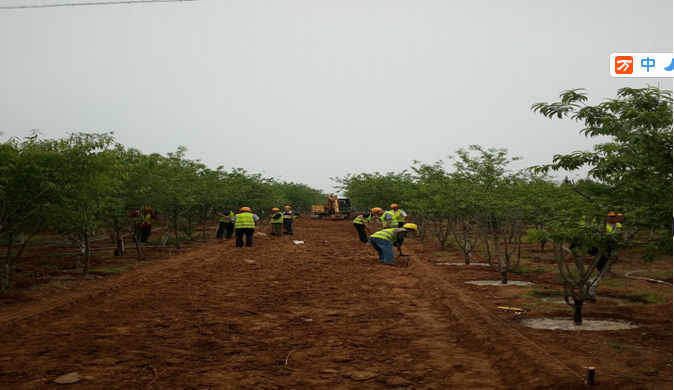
<point>383,242</point>
<point>387,218</point>
<point>244,224</point>
<point>359,224</point>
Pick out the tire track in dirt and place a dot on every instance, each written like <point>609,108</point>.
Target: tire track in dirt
<point>323,315</point>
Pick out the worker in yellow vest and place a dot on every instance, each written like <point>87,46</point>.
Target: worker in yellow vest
<point>399,215</point>
<point>360,224</point>
<point>613,226</point>
<point>383,242</point>
<point>387,218</point>
<point>143,226</point>
<point>289,216</point>
<point>226,227</point>
<point>276,222</point>
<point>244,224</point>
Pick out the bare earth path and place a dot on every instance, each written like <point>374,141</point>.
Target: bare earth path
<point>319,315</point>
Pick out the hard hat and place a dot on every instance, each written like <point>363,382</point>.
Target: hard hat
<point>147,208</point>
<point>275,209</point>
<point>244,209</point>
<point>611,214</point>
<point>394,205</point>
<point>374,210</point>
<point>410,226</point>
<point>287,207</point>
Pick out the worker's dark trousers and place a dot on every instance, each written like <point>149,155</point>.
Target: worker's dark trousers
<point>288,225</point>
<point>361,231</point>
<point>145,233</point>
<point>249,237</point>
<point>225,227</point>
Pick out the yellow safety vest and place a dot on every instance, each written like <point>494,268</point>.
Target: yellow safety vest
<point>398,217</point>
<point>394,223</point>
<point>227,218</point>
<point>244,221</point>
<point>386,234</point>
<point>366,220</point>
<point>279,220</point>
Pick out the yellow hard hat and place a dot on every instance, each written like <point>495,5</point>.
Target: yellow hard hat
<point>147,208</point>
<point>244,209</point>
<point>374,210</point>
<point>394,205</point>
<point>611,214</point>
<point>287,207</point>
<point>410,226</point>
<point>275,209</point>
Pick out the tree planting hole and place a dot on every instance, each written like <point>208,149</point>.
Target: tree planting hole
<point>498,283</point>
<point>566,323</point>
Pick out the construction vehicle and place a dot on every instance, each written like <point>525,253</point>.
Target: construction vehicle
<point>334,208</point>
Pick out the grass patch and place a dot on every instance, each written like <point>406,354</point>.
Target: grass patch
<point>619,345</point>
<point>63,284</point>
<point>39,286</point>
<point>643,297</point>
<point>441,254</point>
<point>536,293</point>
<point>526,267</point>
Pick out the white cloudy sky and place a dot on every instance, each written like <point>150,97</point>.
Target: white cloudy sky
<point>304,90</point>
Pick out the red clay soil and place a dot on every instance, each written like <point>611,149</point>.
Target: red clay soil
<point>323,315</point>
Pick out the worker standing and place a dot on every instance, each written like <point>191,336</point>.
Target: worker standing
<point>289,216</point>
<point>360,224</point>
<point>276,222</point>
<point>226,227</point>
<point>383,242</point>
<point>143,226</point>
<point>387,218</point>
<point>244,224</point>
<point>399,215</point>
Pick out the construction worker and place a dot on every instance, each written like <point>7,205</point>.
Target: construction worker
<point>383,242</point>
<point>244,224</point>
<point>143,227</point>
<point>400,215</point>
<point>613,226</point>
<point>387,218</point>
<point>359,224</point>
<point>276,222</point>
<point>289,216</point>
<point>226,227</point>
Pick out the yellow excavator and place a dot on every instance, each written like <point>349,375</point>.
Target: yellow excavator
<point>334,207</point>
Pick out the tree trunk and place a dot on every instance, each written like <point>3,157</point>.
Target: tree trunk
<point>466,257</point>
<point>504,277</point>
<point>543,247</point>
<point>578,312</point>
<point>119,237</point>
<point>175,230</point>
<point>87,254</point>
<point>136,242</point>
<point>7,268</point>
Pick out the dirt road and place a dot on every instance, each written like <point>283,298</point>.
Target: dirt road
<point>320,315</point>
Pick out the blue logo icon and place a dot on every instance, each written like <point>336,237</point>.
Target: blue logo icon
<point>670,67</point>
<point>648,63</point>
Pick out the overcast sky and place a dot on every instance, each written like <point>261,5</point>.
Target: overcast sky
<point>306,90</point>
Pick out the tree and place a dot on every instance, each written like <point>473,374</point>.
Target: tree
<point>631,173</point>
